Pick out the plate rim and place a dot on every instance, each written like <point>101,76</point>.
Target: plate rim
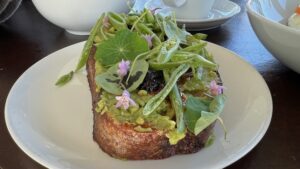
<point>266,123</point>
<point>241,152</point>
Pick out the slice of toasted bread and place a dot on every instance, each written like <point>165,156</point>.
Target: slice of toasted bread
<point>122,141</point>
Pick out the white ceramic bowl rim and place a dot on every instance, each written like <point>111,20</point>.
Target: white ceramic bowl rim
<point>270,21</point>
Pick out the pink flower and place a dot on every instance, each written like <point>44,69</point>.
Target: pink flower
<point>149,40</point>
<point>215,89</point>
<point>106,23</point>
<point>125,101</point>
<point>123,68</point>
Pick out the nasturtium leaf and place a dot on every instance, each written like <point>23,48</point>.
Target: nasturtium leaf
<point>200,113</point>
<point>124,45</point>
<point>111,82</point>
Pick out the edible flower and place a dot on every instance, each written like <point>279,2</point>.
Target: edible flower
<point>149,40</point>
<point>125,101</point>
<point>106,23</point>
<point>215,89</point>
<point>123,68</point>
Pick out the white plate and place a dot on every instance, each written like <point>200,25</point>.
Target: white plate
<point>54,125</point>
<point>221,12</point>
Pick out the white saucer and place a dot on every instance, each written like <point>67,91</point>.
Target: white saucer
<point>221,12</point>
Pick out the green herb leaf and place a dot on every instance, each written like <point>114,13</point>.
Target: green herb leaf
<point>173,32</point>
<point>200,36</point>
<point>194,84</point>
<point>204,121</point>
<point>210,140</point>
<point>196,48</point>
<point>200,113</point>
<point>217,104</point>
<point>196,38</point>
<point>64,79</point>
<point>125,45</point>
<point>169,65</point>
<point>84,55</point>
<point>117,20</point>
<point>194,107</point>
<point>137,75</point>
<point>155,101</point>
<point>177,105</point>
<point>168,49</point>
<point>175,35</point>
<point>89,44</point>
<point>111,82</point>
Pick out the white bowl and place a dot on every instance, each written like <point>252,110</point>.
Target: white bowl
<point>77,16</point>
<point>269,19</point>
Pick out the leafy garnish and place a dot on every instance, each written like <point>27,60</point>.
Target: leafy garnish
<point>155,101</point>
<point>177,105</point>
<point>210,140</point>
<point>173,32</point>
<point>111,82</point>
<point>117,21</point>
<point>137,75</point>
<point>168,48</point>
<point>200,113</point>
<point>124,45</point>
<point>88,44</point>
<point>194,107</point>
<point>175,36</point>
<point>84,55</point>
<point>64,79</point>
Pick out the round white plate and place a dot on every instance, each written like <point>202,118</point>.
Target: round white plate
<point>54,125</point>
<point>221,12</point>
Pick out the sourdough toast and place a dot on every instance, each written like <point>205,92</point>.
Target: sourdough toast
<point>121,140</point>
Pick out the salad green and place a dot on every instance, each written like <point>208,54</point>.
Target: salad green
<point>129,47</point>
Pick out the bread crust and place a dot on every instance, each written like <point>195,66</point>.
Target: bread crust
<point>120,140</point>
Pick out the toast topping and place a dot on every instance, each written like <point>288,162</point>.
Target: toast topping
<point>153,75</point>
<point>124,101</point>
